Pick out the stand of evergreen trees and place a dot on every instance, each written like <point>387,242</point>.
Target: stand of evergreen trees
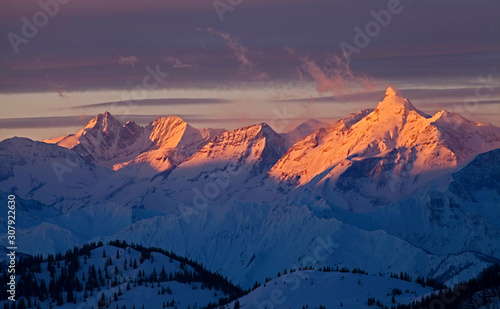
<point>452,298</point>
<point>210,279</point>
<point>30,290</point>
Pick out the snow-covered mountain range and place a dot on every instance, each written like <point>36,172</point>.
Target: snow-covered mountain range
<point>386,190</point>
<point>163,144</point>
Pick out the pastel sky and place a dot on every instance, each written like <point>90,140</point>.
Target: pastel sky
<point>230,63</point>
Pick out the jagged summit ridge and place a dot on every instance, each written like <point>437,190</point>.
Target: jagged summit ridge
<point>394,101</point>
<point>394,104</point>
<point>107,142</point>
<point>237,143</point>
<point>394,141</point>
<point>391,92</point>
<point>104,121</point>
<point>234,159</point>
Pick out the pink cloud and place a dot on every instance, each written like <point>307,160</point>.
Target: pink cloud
<point>335,76</point>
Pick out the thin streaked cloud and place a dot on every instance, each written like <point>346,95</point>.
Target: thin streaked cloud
<point>154,102</point>
<point>442,96</point>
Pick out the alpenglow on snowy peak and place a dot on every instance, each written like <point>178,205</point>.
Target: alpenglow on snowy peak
<point>238,157</point>
<point>394,141</point>
<point>393,99</point>
<point>106,142</point>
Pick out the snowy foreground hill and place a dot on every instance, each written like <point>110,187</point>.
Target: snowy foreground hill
<point>123,276</point>
<point>385,190</point>
<point>333,290</point>
<point>100,276</point>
